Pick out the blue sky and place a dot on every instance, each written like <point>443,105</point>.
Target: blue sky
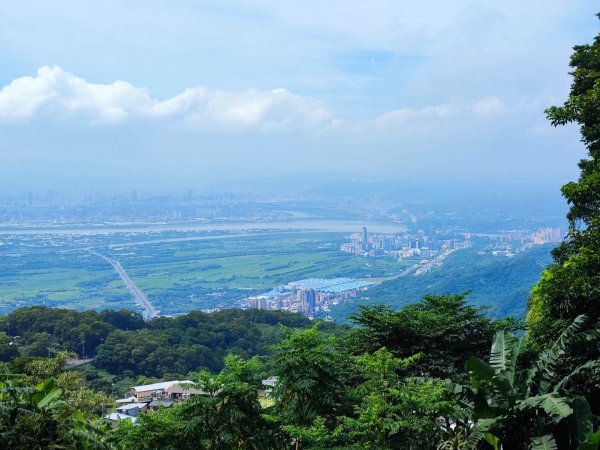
<point>181,92</point>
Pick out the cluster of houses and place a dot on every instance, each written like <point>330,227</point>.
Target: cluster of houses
<point>150,397</point>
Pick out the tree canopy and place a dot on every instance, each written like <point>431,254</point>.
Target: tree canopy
<point>571,285</point>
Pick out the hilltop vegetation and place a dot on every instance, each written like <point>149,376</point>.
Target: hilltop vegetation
<point>395,382</point>
<point>125,347</point>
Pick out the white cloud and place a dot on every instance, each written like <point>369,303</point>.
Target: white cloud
<point>489,107</point>
<point>55,92</point>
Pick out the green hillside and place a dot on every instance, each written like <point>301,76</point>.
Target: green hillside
<point>501,283</point>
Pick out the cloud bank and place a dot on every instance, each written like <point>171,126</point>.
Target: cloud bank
<point>54,92</point>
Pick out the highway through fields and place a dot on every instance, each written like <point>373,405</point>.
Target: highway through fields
<point>149,310</point>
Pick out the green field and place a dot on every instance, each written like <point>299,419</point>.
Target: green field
<point>177,276</point>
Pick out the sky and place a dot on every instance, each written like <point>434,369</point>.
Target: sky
<point>178,93</point>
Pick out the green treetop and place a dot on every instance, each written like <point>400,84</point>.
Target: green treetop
<point>571,285</point>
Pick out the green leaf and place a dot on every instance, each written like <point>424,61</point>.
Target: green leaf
<point>492,440</point>
<point>592,441</point>
<point>452,387</point>
<point>46,386</point>
<point>590,365</point>
<point>548,359</point>
<point>479,370</point>
<point>503,349</point>
<point>554,406</point>
<point>481,428</point>
<point>49,398</point>
<point>511,370</point>
<point>543,443</point>
<point>580,422</point>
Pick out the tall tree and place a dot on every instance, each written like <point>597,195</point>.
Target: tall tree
<point>311,372</point>
<point>571,285</point>
<point>444,329</point>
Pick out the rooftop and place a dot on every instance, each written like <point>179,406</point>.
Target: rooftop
<point>334,285</point>
<point>118,416</point>
<point>159,386</point>
<point>131,406</point>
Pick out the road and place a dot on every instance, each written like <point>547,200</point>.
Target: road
<point>149,310</point>
<point>415,269</point>
<point>405,272</point>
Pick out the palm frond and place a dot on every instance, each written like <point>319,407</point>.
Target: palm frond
<point>503,348</point>
<point>543,369</point>
<point>481,427</point>
<point>554,406</point>
<point>545,442</point>
<point>590,365</point>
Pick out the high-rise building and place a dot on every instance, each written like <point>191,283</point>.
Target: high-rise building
<point>365,239</point>
<point>307,299</point>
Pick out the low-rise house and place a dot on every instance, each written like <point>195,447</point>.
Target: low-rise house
<point>269,384</point>
<point>173,390</point>
<point>271,381</point>
<point>132,409</point>
<point>152,397</point>
<point>115,417</point>
<point>160,403</point>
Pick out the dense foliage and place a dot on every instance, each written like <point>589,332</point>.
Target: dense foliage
<point>500,283</point>
<point>124,344</point>
<point>444,330</point>
<point>570,286</point>
<point>394,382</point>
<point>47,407</point>
<point>516,405</point>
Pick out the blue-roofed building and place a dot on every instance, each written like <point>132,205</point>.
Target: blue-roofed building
<point>308,296</point>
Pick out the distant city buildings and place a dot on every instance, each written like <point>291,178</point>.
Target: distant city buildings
<point>308,296</point>
<point>403,245</point>
<point>427,248</point>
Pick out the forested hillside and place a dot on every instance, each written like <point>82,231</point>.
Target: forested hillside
<point>499,283</point>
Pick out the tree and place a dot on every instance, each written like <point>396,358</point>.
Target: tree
<point>8,347</point>
<point>312,373</point>
<point>444,329</point>
<point>41,416</point>
<point>534,408</point>
<point>570,286</point>
<point>394,412</point>
<point>228,416</point>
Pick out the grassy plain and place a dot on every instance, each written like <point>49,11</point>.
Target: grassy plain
<point>176,274</point>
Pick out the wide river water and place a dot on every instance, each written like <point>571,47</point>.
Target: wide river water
<point>343,226</point>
